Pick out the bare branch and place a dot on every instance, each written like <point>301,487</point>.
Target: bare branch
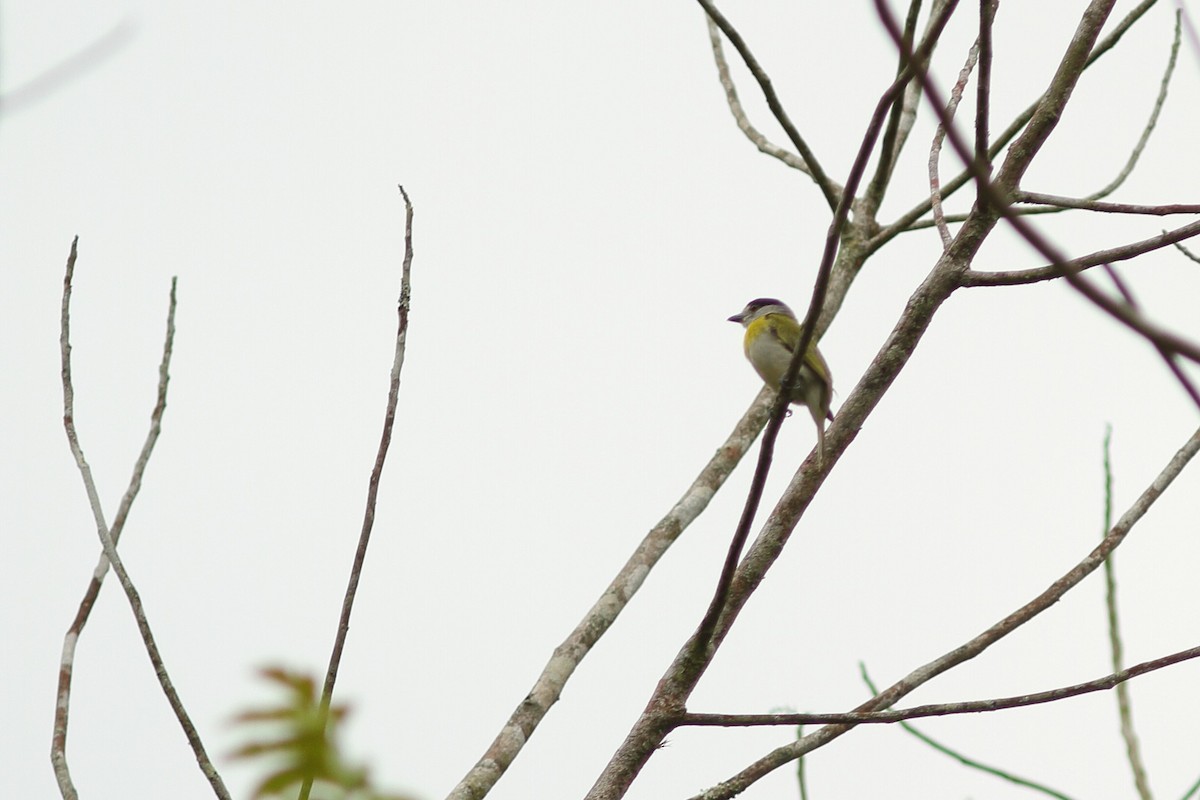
<point>1061,203</point>
<point>1124,707</point>
<point>567,656</point>
<point>58,754</point>
<point>385,441</point>
<point>1020,156</point>
<point>1124,252</point>
<point>1185,251</point>
<point>901,119</point>
<point>831,191</point>
<point>983,93</point>
<point>760,141</point>
<point>966,761</point>
<point>984,640</point>
<point>1088,204</point>
<point>1164,84</point>
<point>1112,681</point>
<point>935,150</point>
<point>908,221</point>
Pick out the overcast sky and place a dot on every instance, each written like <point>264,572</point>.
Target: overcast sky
<point>587,216</point>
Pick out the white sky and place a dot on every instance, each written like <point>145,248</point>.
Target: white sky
<point>587,216</point>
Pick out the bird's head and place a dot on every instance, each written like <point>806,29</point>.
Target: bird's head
<point>760,308</point>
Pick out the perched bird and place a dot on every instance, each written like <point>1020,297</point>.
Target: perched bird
<point>772,334</point>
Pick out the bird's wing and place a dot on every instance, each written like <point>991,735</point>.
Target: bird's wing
<point>787,332</point>
<point>784,330</point>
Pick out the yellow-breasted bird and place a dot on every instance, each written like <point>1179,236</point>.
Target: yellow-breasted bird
<point>772,334</point>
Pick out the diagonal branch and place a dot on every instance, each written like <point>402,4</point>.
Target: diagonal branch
<point>966,761</point>
<point>1018,277</point>
<point>908,220</point>
<point>978,644</point>
<point>760,141</point>
<point>385,440</point>
<point>827,187</point>
<point>902,116</point>
<point>935,150</point>
<point>1164,84</point>
<point>704,634</point>
<point>1020,157</point>
<point>1112,681</point>
<point>567,656</point>
<point>108,542</point>
<point>694,656</point>
<point>62,706</point>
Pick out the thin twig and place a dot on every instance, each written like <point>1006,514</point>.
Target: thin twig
<point>58,756</point>
<point>568,655</point>
<point>801,778</point>
<point>1088,204</point>
<point>1192,790</point>
<point>984,640</point>
<point>892,716</point>
<point>909,220</point>
<point>1020,156</point>
<point>966,761</point>
<point>756,137</point>
<point>827,187</point>
<point>1185,251</point>
<point>1163,85</point>
<point>1057,203</point>
<point>1053,204</point>
<point>62,706</point>
<point>935,150</point>
<point>1020,277</point>
<point>900,119</point>
<point>1124,707</point>
<point>385,441</point>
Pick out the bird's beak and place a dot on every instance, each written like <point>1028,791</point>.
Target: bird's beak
<point>737,318</point>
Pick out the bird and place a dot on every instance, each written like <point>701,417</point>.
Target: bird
<point>772,334</point>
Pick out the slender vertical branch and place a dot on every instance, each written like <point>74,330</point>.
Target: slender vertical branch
<point>889,145</point>
<point>939,135</point>
<point>1124,706</point>
<point>385,440</point>
<point>107,541</point>
<point>906,221</point>
<point>983,93</point>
